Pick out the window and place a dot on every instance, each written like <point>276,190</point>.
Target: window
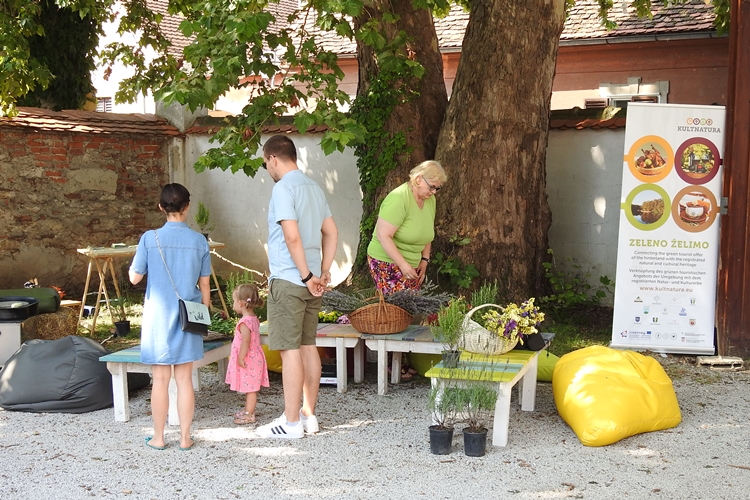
<point>619,95</point>
<point>104,104</point>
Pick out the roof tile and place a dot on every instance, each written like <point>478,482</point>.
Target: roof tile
<point>90,122</point>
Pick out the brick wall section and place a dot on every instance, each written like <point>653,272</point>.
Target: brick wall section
<point>64,190</point>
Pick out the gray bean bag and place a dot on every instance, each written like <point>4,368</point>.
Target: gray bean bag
<point>60,376</point>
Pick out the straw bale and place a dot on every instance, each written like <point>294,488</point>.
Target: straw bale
<point>51,326</point>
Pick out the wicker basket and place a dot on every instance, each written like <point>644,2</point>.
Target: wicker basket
<point>479,340</point>
<point>381,318</point>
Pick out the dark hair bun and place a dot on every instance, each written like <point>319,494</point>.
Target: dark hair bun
<point>174,198</point>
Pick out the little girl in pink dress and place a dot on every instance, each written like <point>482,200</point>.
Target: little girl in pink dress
<point>247,371</point>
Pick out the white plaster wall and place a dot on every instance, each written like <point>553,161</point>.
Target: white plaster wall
<point>238,204</point>
<point>584,177</point>
<point>584,180</point>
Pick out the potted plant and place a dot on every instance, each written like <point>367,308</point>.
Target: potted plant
<point>497,332</point>
<point>202,218</point>
<point>120,321</point>
<point>476,401</point>
<point>442,405</point>
<point>449,330</point>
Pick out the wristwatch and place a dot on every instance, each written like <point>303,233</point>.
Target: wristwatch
<point>426,259</point>
<point>305,280</point>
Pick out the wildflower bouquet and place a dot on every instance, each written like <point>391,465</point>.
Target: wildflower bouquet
<point>515,322</point>
<point>498,330</point>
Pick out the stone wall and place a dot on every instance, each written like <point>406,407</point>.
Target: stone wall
<point>60,191</point>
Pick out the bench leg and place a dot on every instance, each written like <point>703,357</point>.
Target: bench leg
<point>527,386</point>
<point>120,391</point>
<point>341,374</point>
<point>222,366</point>
<point>359,362</point>
<point>502,415</point>
<point>172,417</point>
<point>196,380</point>
<point>382,368</point>
<point>395,367</point>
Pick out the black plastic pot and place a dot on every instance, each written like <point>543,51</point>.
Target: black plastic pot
<point>475,443</point>
<point>11,310</point>
<point>441,440</point>
<point>122,328</point>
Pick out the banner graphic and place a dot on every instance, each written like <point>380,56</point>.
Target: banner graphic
<point>668,248</point>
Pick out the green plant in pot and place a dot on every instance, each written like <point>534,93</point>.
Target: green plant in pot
<point>442,402</point>
<point>476,401</point>
<point>119,319</point>
<point>449,330</point>
<point>203,219</point>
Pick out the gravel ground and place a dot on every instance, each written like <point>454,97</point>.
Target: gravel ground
<point>374,446</point>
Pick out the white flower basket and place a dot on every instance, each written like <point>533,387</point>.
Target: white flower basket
<point>478,339</point>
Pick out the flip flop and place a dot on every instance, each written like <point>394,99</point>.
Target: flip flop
<point>188,448</point>
<point>160,448</point>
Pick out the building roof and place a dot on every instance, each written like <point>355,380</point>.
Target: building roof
<point>170,25</point>
<point>567,119</point>
<point>92,122</point>
<point>583,23</point>
<point>586,123</point>
<point>211,125</point>
<point>95,122</point>
<point>594,119</point>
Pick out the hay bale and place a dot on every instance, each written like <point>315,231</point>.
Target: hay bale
<point>51,326</point>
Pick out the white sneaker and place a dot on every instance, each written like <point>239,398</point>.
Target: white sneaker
<point>309,423</point>
<point>280,429</point>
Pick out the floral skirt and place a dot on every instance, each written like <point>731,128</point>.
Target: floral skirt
<point>388,277</point>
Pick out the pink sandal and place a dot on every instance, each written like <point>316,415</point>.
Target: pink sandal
<point>244,418</point>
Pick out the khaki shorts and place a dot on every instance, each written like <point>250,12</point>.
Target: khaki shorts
<point>292,315</point>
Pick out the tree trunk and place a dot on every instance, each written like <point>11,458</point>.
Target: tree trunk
<point>493,143</point>
<point>419,118</point>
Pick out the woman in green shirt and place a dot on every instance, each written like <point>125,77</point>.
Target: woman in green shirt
<point>399,251</point>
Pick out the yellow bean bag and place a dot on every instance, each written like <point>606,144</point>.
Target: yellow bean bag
<point>606,395</point>
<point>273,358</point>
<point>546,367</point>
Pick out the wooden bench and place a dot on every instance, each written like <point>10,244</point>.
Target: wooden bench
<point>506,370</point>
<point>415,338</point>
<point>121,363</point>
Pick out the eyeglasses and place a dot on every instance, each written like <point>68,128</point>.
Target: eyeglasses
<point>434,189</point>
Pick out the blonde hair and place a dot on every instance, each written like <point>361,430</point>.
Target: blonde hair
<point>248,294</point>
<point>430,170</point>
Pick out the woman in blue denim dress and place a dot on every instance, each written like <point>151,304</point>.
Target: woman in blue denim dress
<point>163,343</point>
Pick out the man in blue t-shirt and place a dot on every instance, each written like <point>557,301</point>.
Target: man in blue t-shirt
<point>302,240</point>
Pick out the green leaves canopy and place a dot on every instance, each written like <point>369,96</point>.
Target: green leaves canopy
<point>233,43</point>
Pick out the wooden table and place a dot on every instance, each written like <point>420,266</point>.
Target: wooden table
<point>415,338</point>
<point>121,363</point>
<point>342,337</point>
<point>501,372</point>
<point>103,259</point>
